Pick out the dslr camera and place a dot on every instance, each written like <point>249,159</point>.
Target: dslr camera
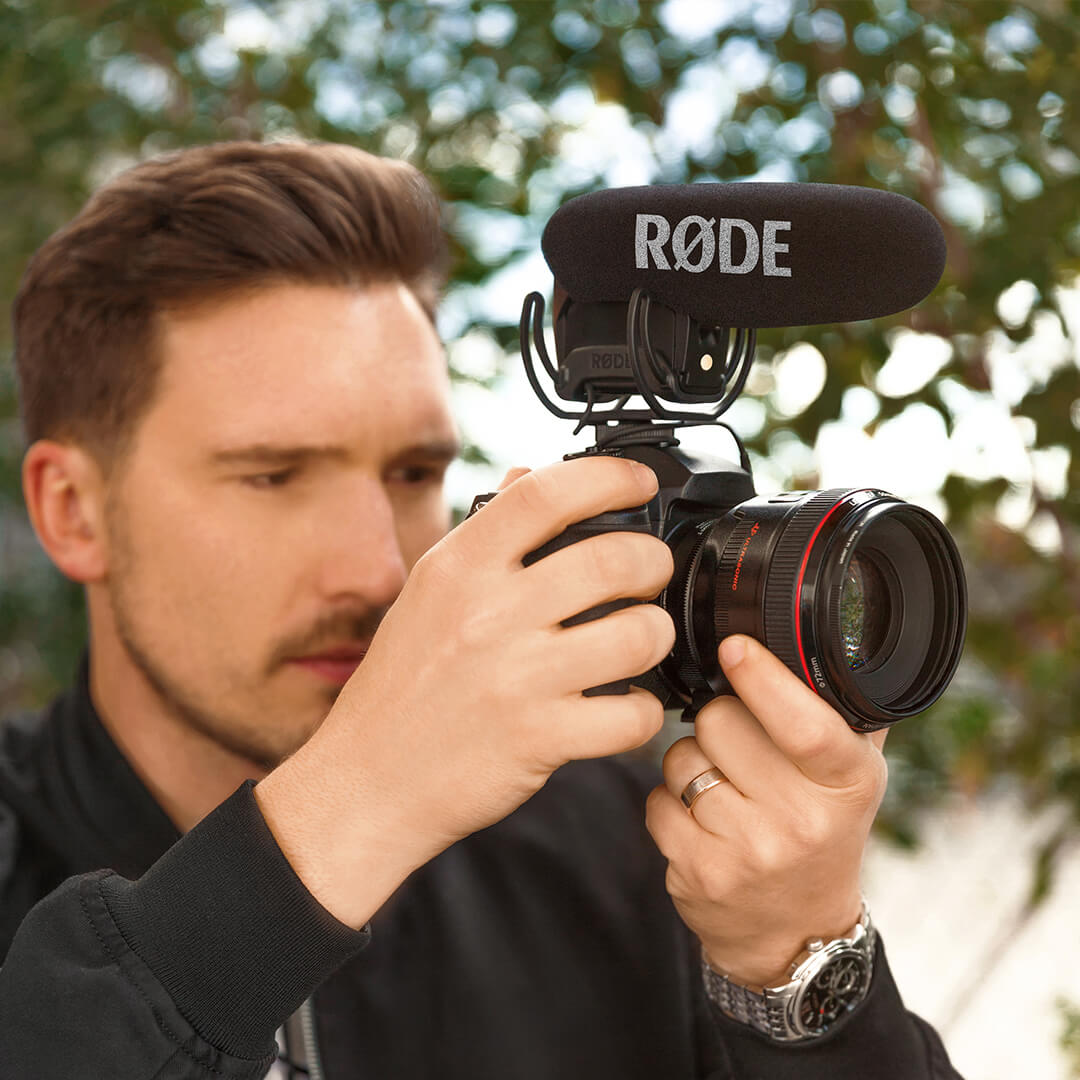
<point>861,594</point>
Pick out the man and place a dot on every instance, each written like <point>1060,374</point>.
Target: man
<point>324,759</point>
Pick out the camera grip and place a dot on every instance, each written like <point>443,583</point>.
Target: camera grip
<point>634,520</point>
<point>620,686</point>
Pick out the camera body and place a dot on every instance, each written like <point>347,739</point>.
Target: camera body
<point>692,493</point>
<point>843,585</point>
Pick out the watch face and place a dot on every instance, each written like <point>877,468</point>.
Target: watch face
<point>837,988</point>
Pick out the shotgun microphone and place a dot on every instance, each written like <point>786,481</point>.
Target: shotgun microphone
<point>659,290</point>
<point>748,254</point>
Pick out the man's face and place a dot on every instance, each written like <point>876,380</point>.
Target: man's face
<point>225,565</point>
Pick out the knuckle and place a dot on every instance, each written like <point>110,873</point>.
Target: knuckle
<point>663,629</point>
<point>514,473</point>
<point>432,564</point>
<point>538,491</point>
<point>714,883</point>
<point>661,560</point>
<point>620,470</point>
<point>679,755</point>
<point>811,739</point>
<point>654,563</point>
<point>676,884</point>
<point>637,639</point>
<point>653,801</point>
<point>881,778</point>
<point>770,855</point>
<point>656,821</point>
<point>716,714</point>
<point>811,830</point>
<point>440,572</point>
<point>720,709</point>
<point>610,557</point>
<point>871,781</point>
<point>631,561</point>
<point>650,714</point>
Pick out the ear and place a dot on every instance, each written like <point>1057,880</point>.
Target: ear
<point>65,498</point>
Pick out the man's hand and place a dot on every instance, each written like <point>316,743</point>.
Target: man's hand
<point>471,693</point>
<point>771,857</point>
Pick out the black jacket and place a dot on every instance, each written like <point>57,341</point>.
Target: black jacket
<point>543,948</point>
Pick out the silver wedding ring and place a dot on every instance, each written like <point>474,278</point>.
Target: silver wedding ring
<point>700,784</point>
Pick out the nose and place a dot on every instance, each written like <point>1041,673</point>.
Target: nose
<point>361,550</point>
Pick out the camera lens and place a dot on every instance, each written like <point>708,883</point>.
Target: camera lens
<point>861,594</point>
<point>865,612</point>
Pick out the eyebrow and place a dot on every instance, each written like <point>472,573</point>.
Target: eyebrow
<point>272,454</point>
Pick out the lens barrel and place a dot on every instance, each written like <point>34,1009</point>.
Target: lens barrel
<point>861,594</point>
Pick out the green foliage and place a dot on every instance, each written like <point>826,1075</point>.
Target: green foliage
<point>968,108</point>
<point>1070,1035</point>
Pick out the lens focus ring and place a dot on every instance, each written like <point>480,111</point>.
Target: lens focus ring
<point>729,577</point>
<point>781,599</point>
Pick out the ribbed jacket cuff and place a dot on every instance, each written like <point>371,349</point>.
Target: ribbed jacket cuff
<point>230,931</point>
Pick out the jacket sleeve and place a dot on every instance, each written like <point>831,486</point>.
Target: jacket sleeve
<point>185,974</point>
<point>880,1040</point>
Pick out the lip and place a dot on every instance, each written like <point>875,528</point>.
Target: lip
<point>334,665</point>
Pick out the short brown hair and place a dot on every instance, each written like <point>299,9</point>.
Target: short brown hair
<point>193,226</point>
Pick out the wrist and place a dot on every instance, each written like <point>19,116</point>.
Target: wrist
<point>765,959</point>
<point>761,968</point>
<point>348,859</point>
<point>826,982</point>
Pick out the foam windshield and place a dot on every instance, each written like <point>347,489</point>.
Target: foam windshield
<point>749,254</point>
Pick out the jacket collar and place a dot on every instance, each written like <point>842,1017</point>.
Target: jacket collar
<point>96,810</point>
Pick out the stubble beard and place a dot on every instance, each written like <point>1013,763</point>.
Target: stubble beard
<point>188,713</point>
<point>264,747</point>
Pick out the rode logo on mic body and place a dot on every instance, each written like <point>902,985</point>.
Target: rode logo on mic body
<point>696,243</point>
<point>603,360</point>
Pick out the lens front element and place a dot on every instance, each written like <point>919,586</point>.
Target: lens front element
<point>865,611</point>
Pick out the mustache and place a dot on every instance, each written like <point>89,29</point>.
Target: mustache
<point>332,630</point>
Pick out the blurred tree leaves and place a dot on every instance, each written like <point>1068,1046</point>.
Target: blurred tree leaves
<point>511,108</point>
<point>1070,1034</point>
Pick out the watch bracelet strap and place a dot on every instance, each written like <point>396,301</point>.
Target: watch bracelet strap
<point>763,1012</point>
<point>766,1012</point>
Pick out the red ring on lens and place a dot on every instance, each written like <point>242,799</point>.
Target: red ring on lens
<point>798,590</point>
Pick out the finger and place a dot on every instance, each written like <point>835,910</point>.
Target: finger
<point>513,474</point>
<point>610,724</point>
<point>677,834</point>
<point>595,571</point>
<point>810,733</point>
<point>538,506</point>
<point>711,809</point>
<point>685,762</point>
<point>625,643</point>
<point>731,737</point>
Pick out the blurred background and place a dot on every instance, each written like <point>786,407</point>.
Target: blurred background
<point>969,405</point>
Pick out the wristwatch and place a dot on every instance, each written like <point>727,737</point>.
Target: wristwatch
<point>827,980</point>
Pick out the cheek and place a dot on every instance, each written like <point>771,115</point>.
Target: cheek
<point>203,563</point>
<point>421,523</point>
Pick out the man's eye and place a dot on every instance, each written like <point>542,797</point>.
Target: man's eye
<point>269,480</point>
<point>418,474</point>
